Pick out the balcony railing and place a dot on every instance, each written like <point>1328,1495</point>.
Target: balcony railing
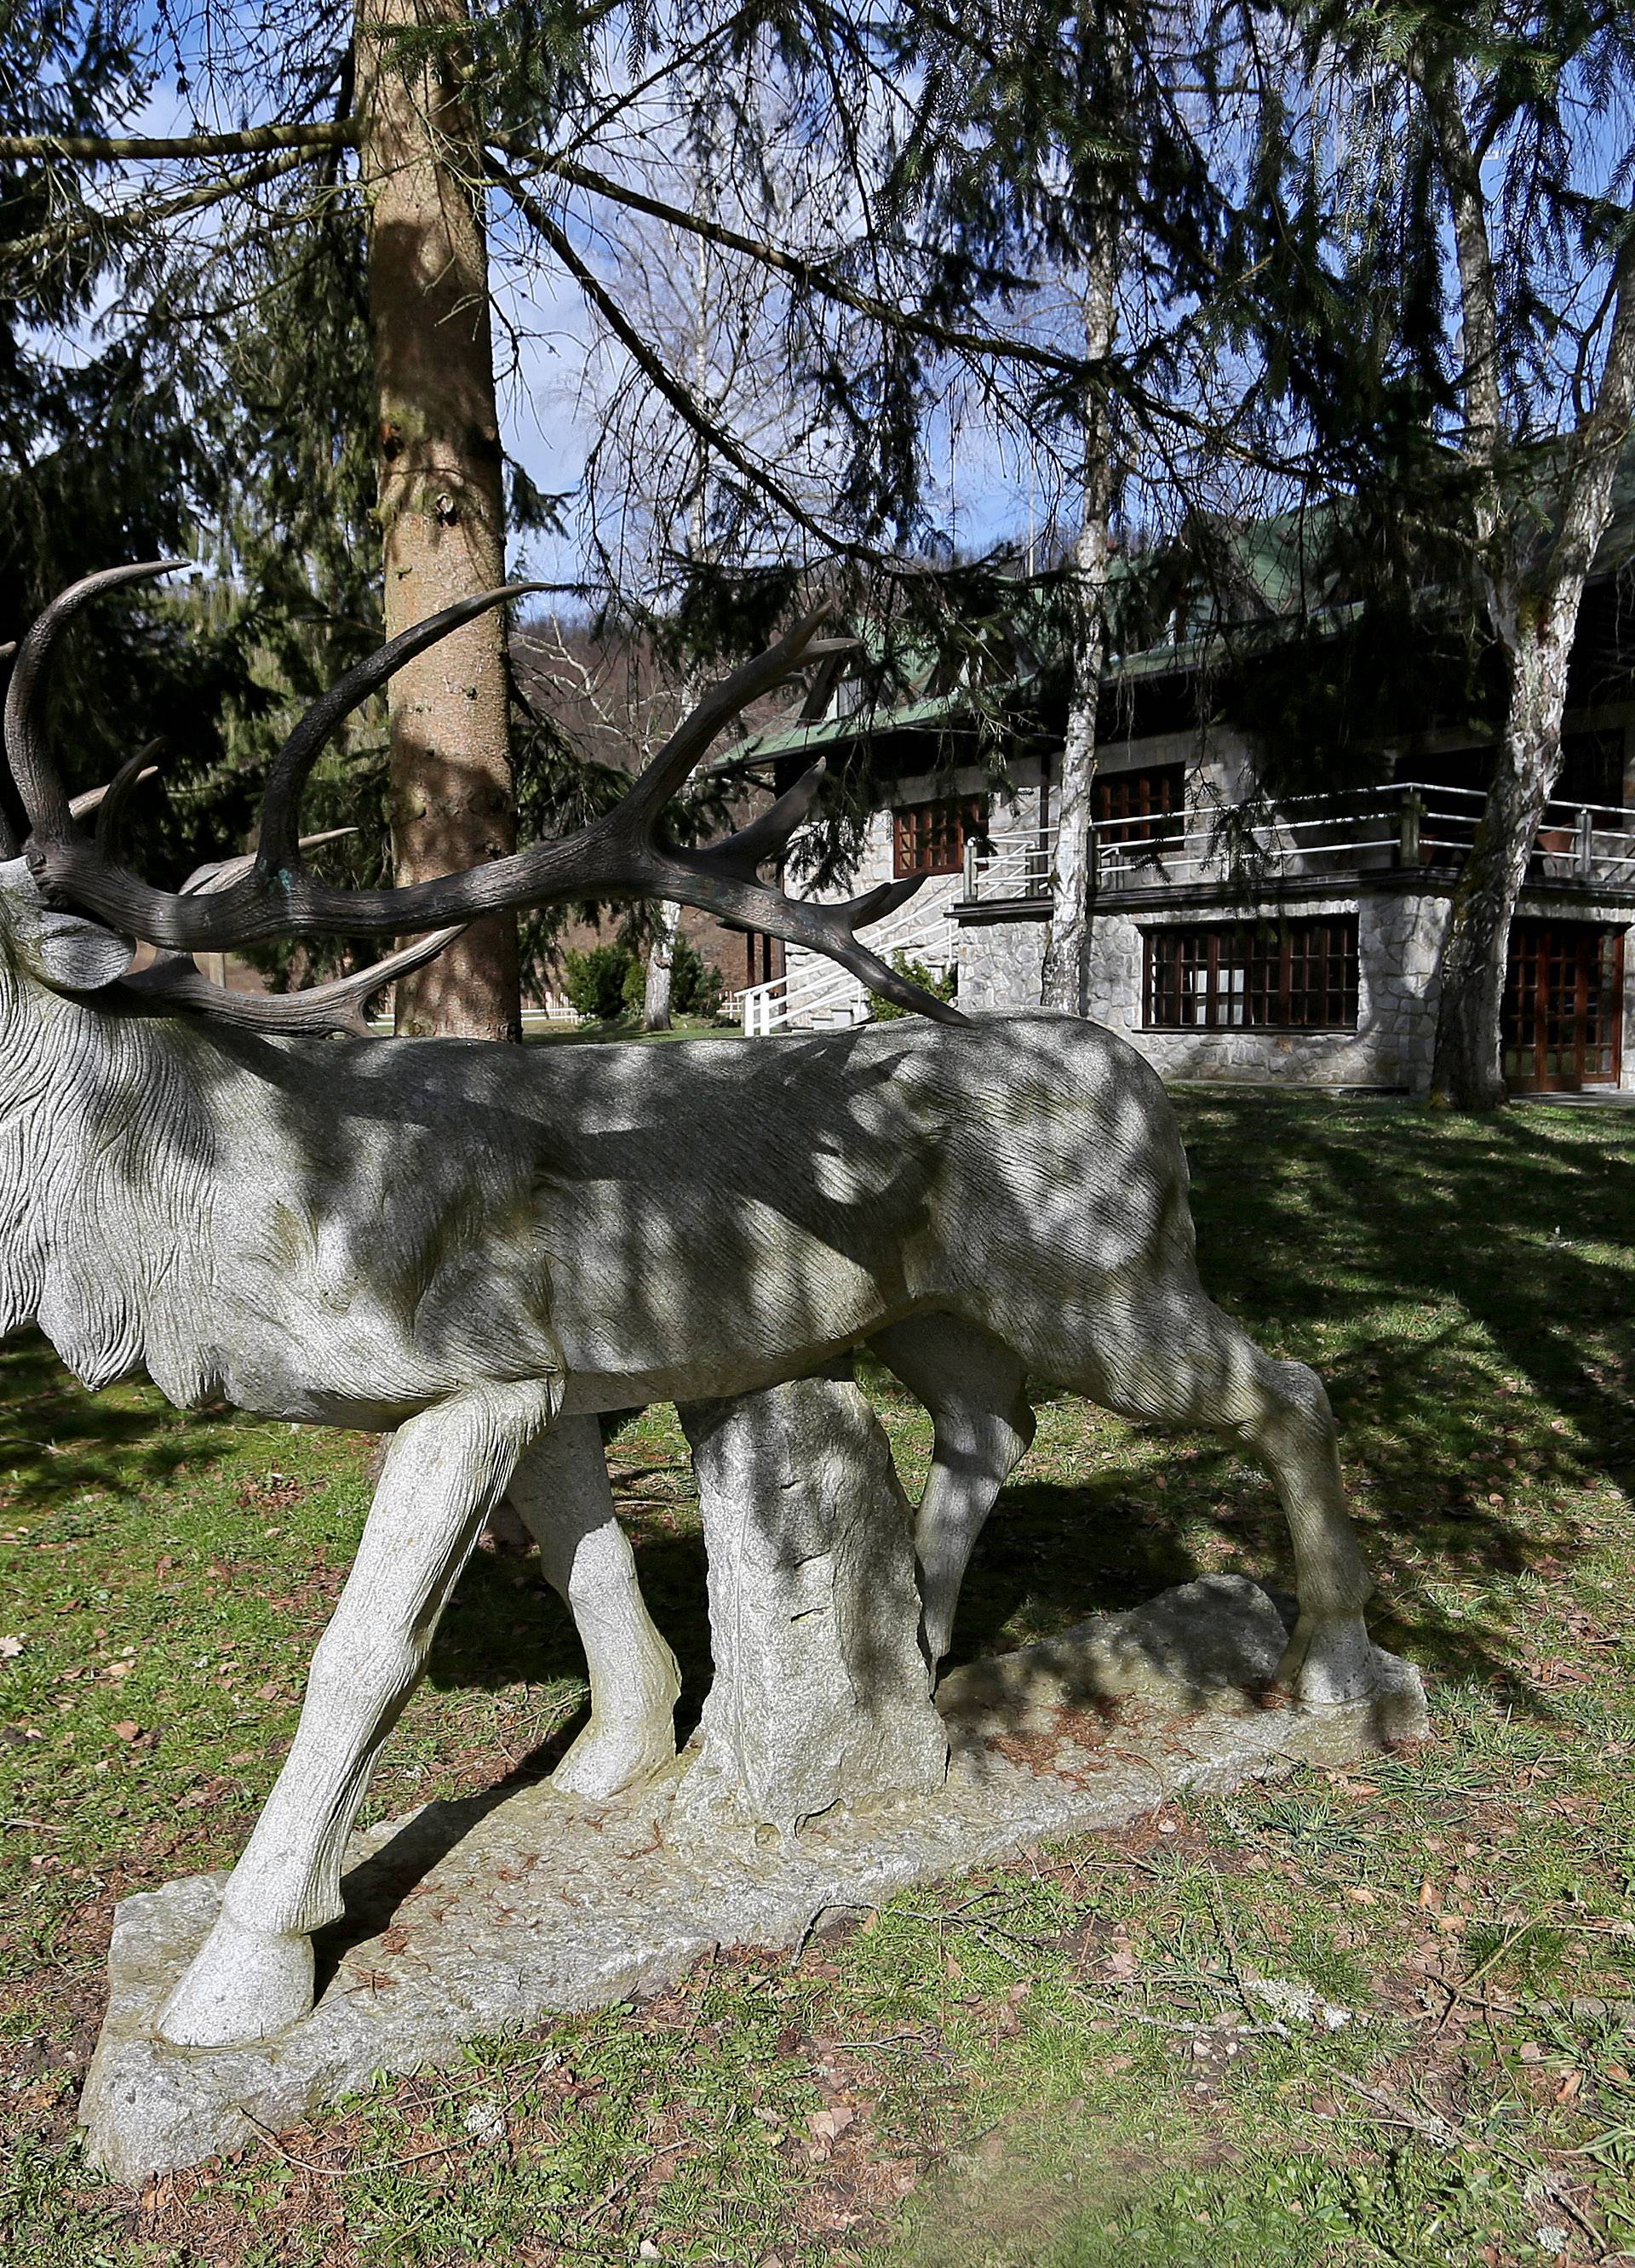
<point>1406,825</point>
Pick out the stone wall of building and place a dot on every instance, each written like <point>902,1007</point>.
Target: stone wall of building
<point>1400,934</point>
<point>1001,965</point>
<point>1378,1053</point>
<point>1399,943</point>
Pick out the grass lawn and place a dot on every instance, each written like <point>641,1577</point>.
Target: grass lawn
<point>1067,2062</point>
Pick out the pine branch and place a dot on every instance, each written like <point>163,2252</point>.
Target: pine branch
<point>1078,370</point>
<point>249,142</point>
<point>59,236</point>
<point>680,397</point>
<point>986,345</point>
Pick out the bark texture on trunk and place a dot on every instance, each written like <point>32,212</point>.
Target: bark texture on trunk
<point>660,969</point>
<point>1469,1067</point>
<point>441,506</point>
<point>1533,608</point>
<point>1065,981</point>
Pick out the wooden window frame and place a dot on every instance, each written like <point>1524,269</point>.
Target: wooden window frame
<point>1145,805</point>
<point>930,838</point>
<point>1242,977</point>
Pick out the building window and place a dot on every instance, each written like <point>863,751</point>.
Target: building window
<point>1142,807</point>
<point>1301,976</point>
<point>930,838</point>
<point>1562,1018</point>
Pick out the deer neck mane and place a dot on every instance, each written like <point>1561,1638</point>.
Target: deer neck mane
<point>103,1141</point>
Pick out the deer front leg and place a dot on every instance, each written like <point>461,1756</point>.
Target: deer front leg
<point>561,1489</point>
<point>445,1472</point>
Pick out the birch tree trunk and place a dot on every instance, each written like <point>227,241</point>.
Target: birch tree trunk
<point>665,918</point>
<point>1467,1072</point>
<point>1534,615</point>
<point>661,967</point>
<point>441,506</point>
<point>1065,981</point>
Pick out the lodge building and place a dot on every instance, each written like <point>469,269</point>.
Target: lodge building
<point>1236,934</point>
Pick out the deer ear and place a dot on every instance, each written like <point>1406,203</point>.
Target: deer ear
<point>72,955</point>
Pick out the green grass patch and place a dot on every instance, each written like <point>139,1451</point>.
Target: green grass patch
<point>1067,2062</point>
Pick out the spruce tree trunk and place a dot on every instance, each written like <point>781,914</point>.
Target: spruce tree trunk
<point>441,506</point>
<point>660,969</point>
<point>1065,979</point>
<point>1467,1072</point>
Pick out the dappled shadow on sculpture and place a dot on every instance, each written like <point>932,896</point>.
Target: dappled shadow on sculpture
<point>484,1248</point>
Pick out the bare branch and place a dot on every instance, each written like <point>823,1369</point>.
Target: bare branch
<point>248,142</point>
<point>680,397</point>
<point>74,228</point>
<point>989,345</point>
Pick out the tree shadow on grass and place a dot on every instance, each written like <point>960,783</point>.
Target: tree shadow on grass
<point>59,1439</point>
<point>1464,1286</point>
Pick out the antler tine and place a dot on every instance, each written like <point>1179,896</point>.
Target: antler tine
<point>278,849</point>
<point>690,878</point>
<point>222,873</point>
<point>44,797</point>
<point>768,837</point>
<point>9,844</point>
<point>656,785</point>
<point>620,855</point>
<point>323,1010</point>
<point>109,803</point>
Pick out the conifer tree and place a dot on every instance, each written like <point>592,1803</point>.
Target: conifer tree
<point>1462,177</point>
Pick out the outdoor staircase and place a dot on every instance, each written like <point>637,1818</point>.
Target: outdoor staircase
<point>815,996</point>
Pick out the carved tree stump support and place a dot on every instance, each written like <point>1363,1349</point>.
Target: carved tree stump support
<point>822,1693</point>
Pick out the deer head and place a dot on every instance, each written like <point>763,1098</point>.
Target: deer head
<point>64,875</point>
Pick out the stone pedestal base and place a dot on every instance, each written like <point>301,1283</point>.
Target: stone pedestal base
<point>481,1917</point>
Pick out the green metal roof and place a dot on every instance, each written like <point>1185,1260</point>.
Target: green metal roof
<point>1276,559</point>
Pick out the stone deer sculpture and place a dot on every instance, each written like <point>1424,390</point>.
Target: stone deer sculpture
<point>484,1247</point>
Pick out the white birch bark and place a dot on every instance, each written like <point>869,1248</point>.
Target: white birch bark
<point>1065,982</point>
<point>1534,613</point>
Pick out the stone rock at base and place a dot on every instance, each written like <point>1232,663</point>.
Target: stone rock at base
<point>821,1694</point>
<point>1185,1649</point>
<point>472,1919</point>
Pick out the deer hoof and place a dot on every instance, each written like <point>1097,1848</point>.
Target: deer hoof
<point>601,1764</point>
<point>243,1984</point>
<point>1329,1662</point>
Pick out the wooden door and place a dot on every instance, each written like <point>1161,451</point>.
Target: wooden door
<point>1564,1007</point>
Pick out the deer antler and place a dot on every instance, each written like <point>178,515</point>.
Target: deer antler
<point>619,855</point>
<point>323,1010</point>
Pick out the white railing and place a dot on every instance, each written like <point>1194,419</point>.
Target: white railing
<point>1405,824</point>
<point>1010,865</point>
<point>818,996</point>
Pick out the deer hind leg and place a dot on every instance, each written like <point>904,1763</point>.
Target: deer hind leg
<point>445,1472</point>
<point>1175,1357</point>
<point>975,1390</point>
<point>561,1489</point>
